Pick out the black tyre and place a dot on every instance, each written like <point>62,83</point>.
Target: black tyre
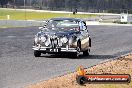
<point>81,80</point>
<point>76,54</point>
<point>89,42</point>
<point>86,53</point>
<point>37,53</point>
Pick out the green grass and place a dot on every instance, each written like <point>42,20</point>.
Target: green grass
<point>26,15</point>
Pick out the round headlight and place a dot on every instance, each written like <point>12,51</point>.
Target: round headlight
<point>36,39</point>
<point>64,40</point>
<point>70,41</point>
<point>43,39</point>
<point>60,43</point>
<point>47,43</point>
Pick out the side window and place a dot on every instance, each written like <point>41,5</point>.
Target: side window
<point>82,25</point>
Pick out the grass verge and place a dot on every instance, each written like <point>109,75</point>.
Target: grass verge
<point>32,15</point>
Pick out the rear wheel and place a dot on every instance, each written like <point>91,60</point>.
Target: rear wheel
<point>86,52</point>
<point>89,42</point>
<point>37,53</point>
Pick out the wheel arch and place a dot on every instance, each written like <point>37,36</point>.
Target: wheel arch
<point>79,41</point>
<point>89,42</point>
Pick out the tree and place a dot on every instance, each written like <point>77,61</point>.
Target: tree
<point>3,2</point>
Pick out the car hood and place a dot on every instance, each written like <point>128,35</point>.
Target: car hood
<point>60,32</point>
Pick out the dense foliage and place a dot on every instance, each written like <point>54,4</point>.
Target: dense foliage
<point>82,5</point>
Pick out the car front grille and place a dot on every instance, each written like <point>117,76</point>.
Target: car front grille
<point>54,42</point>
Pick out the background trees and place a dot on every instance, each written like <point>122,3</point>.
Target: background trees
<point>3,2</point>
<point>81,5</point>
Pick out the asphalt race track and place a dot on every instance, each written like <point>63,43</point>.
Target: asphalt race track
<point>18,66</point>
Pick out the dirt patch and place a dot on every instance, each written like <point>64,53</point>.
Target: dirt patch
<point>122,65</point>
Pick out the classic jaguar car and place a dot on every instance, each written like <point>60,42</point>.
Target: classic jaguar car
<point>62,35</point>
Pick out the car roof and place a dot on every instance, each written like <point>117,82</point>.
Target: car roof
<point>76,19</point>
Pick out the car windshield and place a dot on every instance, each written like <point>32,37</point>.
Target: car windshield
<point>67,24</point>
<point>62,23</point>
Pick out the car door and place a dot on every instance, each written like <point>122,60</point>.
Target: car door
<point>84,33</point>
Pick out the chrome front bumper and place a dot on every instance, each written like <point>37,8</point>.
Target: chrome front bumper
<point>54,50</point>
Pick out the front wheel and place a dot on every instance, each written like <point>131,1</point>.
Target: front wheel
<point>37,53</point>
<point>76,54</point>
<point>86,52</point>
